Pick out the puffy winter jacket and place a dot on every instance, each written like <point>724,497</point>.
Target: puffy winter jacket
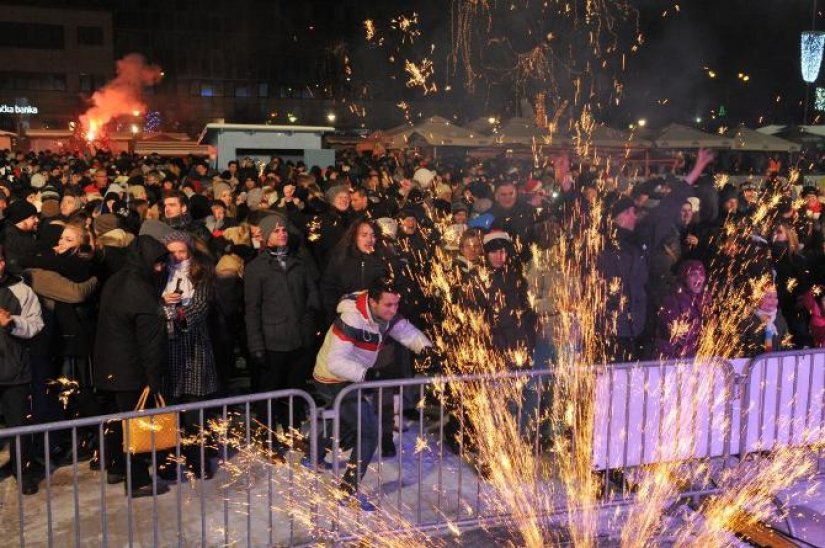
<point>352,343</point>
<point>24,307</point>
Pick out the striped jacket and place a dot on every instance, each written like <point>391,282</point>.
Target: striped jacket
<point>352,343</point>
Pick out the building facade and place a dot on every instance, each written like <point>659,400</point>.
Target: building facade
<point>53,59</point>
<point>245,61</point>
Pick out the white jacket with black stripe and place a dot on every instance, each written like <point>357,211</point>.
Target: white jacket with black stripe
<point>352,343</point>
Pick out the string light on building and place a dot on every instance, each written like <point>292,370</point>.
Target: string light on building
<point>812,44</point>
<point>152,122</point>
<point>819,99</point>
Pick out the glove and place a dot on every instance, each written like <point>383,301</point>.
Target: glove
<point>372,374</point>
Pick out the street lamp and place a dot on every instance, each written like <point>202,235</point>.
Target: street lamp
<point>811,45</point>
<point>642,122</point>
<point>811,48</point>
<point>331,117</point>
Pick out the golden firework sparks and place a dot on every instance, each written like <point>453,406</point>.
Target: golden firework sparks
<point>407,25</point>
<point>420,74</point>
<point>369,27</point>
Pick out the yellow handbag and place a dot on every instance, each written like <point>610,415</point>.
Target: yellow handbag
<point>138,432</point>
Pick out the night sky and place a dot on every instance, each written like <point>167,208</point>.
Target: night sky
<point>759,38</point>
<point>664,82</point>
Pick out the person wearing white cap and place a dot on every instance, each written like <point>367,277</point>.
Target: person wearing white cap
<point>507,308</point>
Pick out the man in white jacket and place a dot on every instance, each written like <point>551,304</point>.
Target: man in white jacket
<point>365,319</point>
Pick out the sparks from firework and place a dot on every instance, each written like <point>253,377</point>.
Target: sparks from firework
<point>514,468</point>
<point>369,27</point>
<point>407,25</point>
<point>420,75</point>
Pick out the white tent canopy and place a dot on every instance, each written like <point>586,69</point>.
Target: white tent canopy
<point>480,125</point>
<point>798,129</point>
<point>607,137</point>
<point>437,131</point>
<point>684,137</point>
<point>752,140</point>
<point>524,131</point>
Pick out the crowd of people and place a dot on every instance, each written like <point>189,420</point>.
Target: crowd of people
<point>120,272</point>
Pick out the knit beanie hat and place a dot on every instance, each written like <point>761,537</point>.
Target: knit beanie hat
<point>178,236</point>
<point>106,222</point>
<point>269,223</point>
<point>621,205</point>
<point>19,210</point>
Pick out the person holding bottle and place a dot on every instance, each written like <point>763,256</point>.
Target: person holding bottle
<point>187,297</point>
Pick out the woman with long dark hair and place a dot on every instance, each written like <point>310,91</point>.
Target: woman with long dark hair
<point>794,277</point>
<point>186,299</point>
<point>356,263</point>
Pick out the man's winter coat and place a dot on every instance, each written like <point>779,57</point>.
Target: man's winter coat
<point>624,266</point>
<point>352,343</point>
<point>282,303</point>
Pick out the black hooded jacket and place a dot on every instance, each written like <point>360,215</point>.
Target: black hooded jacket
<point>130,348</point>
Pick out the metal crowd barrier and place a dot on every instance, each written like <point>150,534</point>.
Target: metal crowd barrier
<point>649,412</point>
<point>645,413</point>
<point>238,506</point>
<point>783,401</point>
<point>429,503</point>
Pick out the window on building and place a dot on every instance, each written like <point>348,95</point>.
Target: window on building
<point>207,89</point>
<point>33,81</point>
<point>263,89</point>
<point>90,36</point>
<point>15,34</point>
<point>243,90</point>
<point>91,82</point>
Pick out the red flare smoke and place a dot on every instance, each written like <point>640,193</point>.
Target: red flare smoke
<point>123,95</point>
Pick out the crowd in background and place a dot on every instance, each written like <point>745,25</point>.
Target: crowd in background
<point>121,272</point>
